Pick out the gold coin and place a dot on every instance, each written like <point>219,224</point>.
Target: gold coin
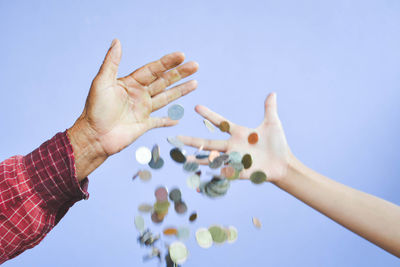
<point>170,231</point>
<point>224,126</point>
<point>253,138</point>
<point>258,177</point>
<point>247,161</point>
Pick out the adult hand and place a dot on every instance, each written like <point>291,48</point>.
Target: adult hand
<point>270,154</point>
<point>117,111</point>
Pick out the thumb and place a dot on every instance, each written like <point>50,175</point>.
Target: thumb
<point>109,69</point>
<point>271,112</point>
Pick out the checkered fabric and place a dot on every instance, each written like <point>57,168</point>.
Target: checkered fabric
<point>36,191</point>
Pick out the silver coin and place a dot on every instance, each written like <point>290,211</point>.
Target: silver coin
<point>235,156</point>
<point>156,165</point>
<point>191,166</point>
<point>204,238</point>
<point>202,155</point>
<point>175,112</point>
<point>216,163</point>
<point>183,233</point>
<point>233,234</point>
<point>193,182</point>
<point>143,155</point>
<point>209,125</point>
<point>139,223</point>
<point>175,195</point>
<point>155,153</point>
<point>175,142</point>
<point>177,155</point>
<point>178,252</point>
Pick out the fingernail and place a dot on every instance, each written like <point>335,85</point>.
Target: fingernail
<point>113,43</point>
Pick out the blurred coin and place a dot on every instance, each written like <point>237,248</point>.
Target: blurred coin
<point>224,126</point>
<point>177,155</point>
<point>247,161</point>
<point>139,223</point>
<point>193,182</point>
<point>190,166</point>
<point>209,125</point>
<point>170,231</point>
<point>155,219</point>
<point>202,156</point>
<point>237,165</point>
<point>253,138</point>
<point>156,165</point>
<point>175,195</point>
<point>161,194</point>
<point>193,217</point>
<point>144,175</point>
<point>155,153</point>
<point>218,234</point>
<point>178,252</point>
<point>161,207</point>
<point>233,234</point>
<point>228,172</point>
<point>175,112</point>
<point>183,233</point>
<point>198,173</point>
<point>135,176</point>
<point>213,155</point>
<point>143,155</point>
<point>235,156</point>
<point>175,142</point>
<point>258,177</point>
<point>180,207</point>
<point>215,164</point>
<point>145,207</point>
<point>204,238</point>
<point>256,222</point>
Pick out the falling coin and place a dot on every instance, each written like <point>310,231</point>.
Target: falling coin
<point>209,125</point>
<point>256,222</point>
<point>161,194</point>
<point>204,238</point>
<point>178,252</point>
<point>224,126</point>
<point>170,231</point>
<point>253,138</point>
<point>161,208</point>
<point>145,207</point>
<point>183,233</point>
<point>143,155</point>
<point>228,172</point>
<point>218,234</point>
<point>190,166</point>
<point>213,155</point>
<point>156,165</point>
<point>258,177</point>
<point>175,112</point>
<point>155,153</point>
<point>193,182</point>
<point>177,155</point>
<point>180,207</point>
<point>139,223</point>
<point>235,156</point>
<point>175,195</point>
<point>144,175</point>
<point>193,217</point>
<point>175,142</point>
<point>247,161</point>
<point>155,219</point>
<point>233,234</point>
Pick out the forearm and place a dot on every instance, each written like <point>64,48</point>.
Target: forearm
<point>375,219</point>
<point>88,154</point>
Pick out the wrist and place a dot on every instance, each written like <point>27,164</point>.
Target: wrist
<point>88,153</point>
<point>293,167</point>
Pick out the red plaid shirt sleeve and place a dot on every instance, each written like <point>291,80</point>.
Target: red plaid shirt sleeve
<point>36,191</point>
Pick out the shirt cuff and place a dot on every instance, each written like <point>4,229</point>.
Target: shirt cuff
<point>51,168</point>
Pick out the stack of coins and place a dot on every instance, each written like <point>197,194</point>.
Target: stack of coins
<point>160,208</point>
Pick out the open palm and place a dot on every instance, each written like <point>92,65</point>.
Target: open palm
<point>118,110</point>
<point>270,154</point>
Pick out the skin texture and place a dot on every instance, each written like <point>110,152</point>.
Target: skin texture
<point>374,219</point>
<point>117,111</point>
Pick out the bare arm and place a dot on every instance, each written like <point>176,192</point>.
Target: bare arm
<point>373,218</point>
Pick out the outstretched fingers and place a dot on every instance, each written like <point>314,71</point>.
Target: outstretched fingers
<point>205,144</point>
<point>172,94</point>
<point>151,71</point>
<point>214,117</point>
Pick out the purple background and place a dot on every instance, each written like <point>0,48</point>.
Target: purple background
<point>334,64</point>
